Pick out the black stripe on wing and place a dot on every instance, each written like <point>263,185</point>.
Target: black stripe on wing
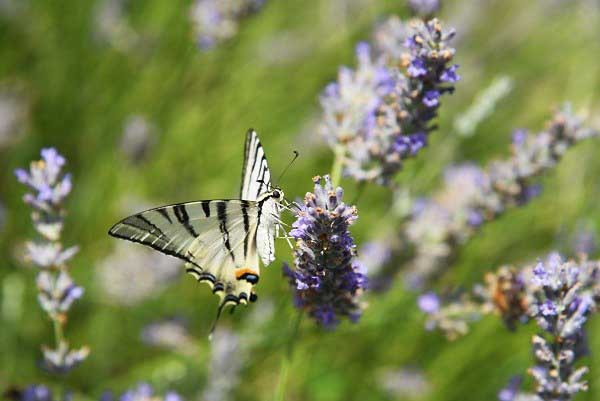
<point>256,176</point>
<point>222,215</point>
<point>250,134</point>
<point>114,232</point>
<point>172,229</point>
<point>184,218</point>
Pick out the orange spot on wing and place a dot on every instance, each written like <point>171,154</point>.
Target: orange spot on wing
<point>240,272</point>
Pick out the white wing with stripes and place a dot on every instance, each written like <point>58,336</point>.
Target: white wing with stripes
<point>256,177</point>
<point>256,183</point>
<point>216,238</point>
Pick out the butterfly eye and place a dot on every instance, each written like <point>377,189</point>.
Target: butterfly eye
<point>276,194</point>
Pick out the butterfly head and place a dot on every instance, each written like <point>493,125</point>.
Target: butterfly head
<point>277,194</point>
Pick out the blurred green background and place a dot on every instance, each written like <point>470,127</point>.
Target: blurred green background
<point>79,89</point>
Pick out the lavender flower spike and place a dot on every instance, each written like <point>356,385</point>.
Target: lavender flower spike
<point>56,290</point>
<point>566,295</point>
<point>473,196</point>
<point>326,281</point>
<point>380,113</point>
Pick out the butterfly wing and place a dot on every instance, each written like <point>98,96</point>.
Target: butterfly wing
<point>256,182</point>
<point>216,239</point>
<point>256,177</point>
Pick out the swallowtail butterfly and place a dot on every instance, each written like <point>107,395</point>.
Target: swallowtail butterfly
<point>221,241</point>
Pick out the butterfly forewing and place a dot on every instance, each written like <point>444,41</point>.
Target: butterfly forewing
<point>256,177</point>
<point>256,182</point>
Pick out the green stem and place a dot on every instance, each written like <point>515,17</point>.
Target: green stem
<point>287,359</point>
<point>59,335</point>
<point>336,168</point>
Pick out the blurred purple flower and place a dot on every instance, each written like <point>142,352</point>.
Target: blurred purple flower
<point>145,392</point>
<point>380,113</point>
<point>49,254</point>
<point>44,178</point>
<point>56,289</point>
<point>510,392</point>
<point>62,359</point>
<point>36,392</point>
<point>472,196</point>
<point>519,136</point>
<point>429,303</point>
<point>215,21</point>
<point>424,8</point>
<point>57,293</point>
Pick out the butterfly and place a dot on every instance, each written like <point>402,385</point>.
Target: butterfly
<point>221,241</point>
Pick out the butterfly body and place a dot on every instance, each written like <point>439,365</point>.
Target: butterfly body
<point>221,241</point>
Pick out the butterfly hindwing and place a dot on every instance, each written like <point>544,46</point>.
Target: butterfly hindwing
<point>216,238</point>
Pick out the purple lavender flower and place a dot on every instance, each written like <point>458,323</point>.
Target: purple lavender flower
<point>380,113</point>
<point>429,303</point>
<point>145,392</point>
<point>62,359</point>
<point>326,281</point>
<point>510,392</point>
<point>565,294</point>
<point>450,314</point>
<point>519,136</point>
<point>450,75</point>
<point>431,98</point>
<point>416,67</point>
<point>473,196</point>
<point>48,254</point>
<point>36,392</point>
<point>49,190</point>
<point>520,295</point>
<point>57,291</point>
<point>424,8</point>
<point>215,21</point>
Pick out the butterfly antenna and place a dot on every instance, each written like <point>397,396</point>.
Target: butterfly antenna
<point>296,154</point>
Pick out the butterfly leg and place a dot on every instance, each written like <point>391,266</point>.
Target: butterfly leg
<point>279,221</point>
<point>288,206</point>
<point>285,236</point>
